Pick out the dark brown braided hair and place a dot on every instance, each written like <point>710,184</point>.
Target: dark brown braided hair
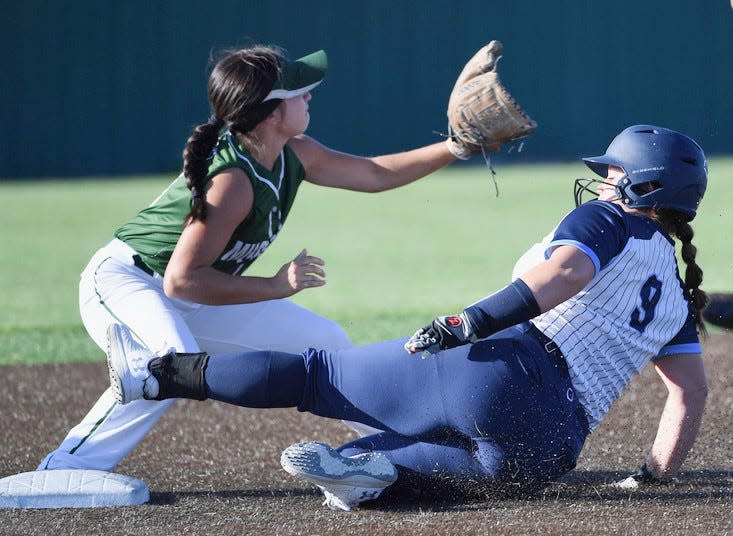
<point>239,82</point>
<point>676,224</point>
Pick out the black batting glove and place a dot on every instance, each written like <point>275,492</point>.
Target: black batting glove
<point>442,333</point>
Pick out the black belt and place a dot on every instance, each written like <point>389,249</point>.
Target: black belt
<point>137,261</point>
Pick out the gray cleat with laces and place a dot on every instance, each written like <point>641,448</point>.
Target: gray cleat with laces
<point>345,481</point>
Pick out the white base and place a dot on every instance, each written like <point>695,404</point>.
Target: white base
<point>71,488</point>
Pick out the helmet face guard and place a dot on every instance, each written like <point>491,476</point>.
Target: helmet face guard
<point>585,188</point>
<point>662,169</point>
<point>588,187</point>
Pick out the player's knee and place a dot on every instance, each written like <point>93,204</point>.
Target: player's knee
<point>331,336</point>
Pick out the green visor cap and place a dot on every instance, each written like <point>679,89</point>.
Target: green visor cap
<point>299,76</point>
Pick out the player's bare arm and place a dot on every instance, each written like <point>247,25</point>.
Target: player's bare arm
<point>560,277</point>
<point>684,377</point>
<point>327,167</point>
<point>543,287</point>
<point>190,275</point>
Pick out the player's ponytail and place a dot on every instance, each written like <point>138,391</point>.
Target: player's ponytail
<point>677,225</point>
<point>239,82</point>
<point>195,166</point>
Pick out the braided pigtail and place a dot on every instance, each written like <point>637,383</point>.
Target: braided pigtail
<point>195,167</point>
<point>678,225</point>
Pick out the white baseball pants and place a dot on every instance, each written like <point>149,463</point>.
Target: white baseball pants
<point>113,289</point>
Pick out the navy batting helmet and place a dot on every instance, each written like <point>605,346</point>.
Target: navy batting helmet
<point>663,169</point>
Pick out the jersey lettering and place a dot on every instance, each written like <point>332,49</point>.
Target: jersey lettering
<point>650,294</point>
<point>241,251</point>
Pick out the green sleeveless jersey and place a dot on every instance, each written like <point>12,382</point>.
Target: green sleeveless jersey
<point>154,232</point>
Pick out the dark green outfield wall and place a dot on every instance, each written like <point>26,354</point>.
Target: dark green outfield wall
<point>114,87</point>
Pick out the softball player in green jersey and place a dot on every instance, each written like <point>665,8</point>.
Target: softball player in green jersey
<point>175,275</point>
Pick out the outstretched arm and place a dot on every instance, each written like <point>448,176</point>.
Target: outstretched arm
<point>540,289</point>
<point>327,167</point>
<point>684,377</point>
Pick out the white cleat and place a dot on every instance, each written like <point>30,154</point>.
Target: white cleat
<point>345,481</point>
<point>127,361</point>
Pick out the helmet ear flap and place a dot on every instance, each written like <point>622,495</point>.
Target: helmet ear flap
<point>633,194</point>
<point>644,188</point>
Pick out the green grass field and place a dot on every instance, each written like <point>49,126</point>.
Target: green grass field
<point>394,259</point>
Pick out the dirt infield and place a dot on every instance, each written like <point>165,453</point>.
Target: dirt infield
<point>213,469</point>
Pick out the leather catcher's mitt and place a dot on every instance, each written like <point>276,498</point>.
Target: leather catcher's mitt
<point>482,115</point>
